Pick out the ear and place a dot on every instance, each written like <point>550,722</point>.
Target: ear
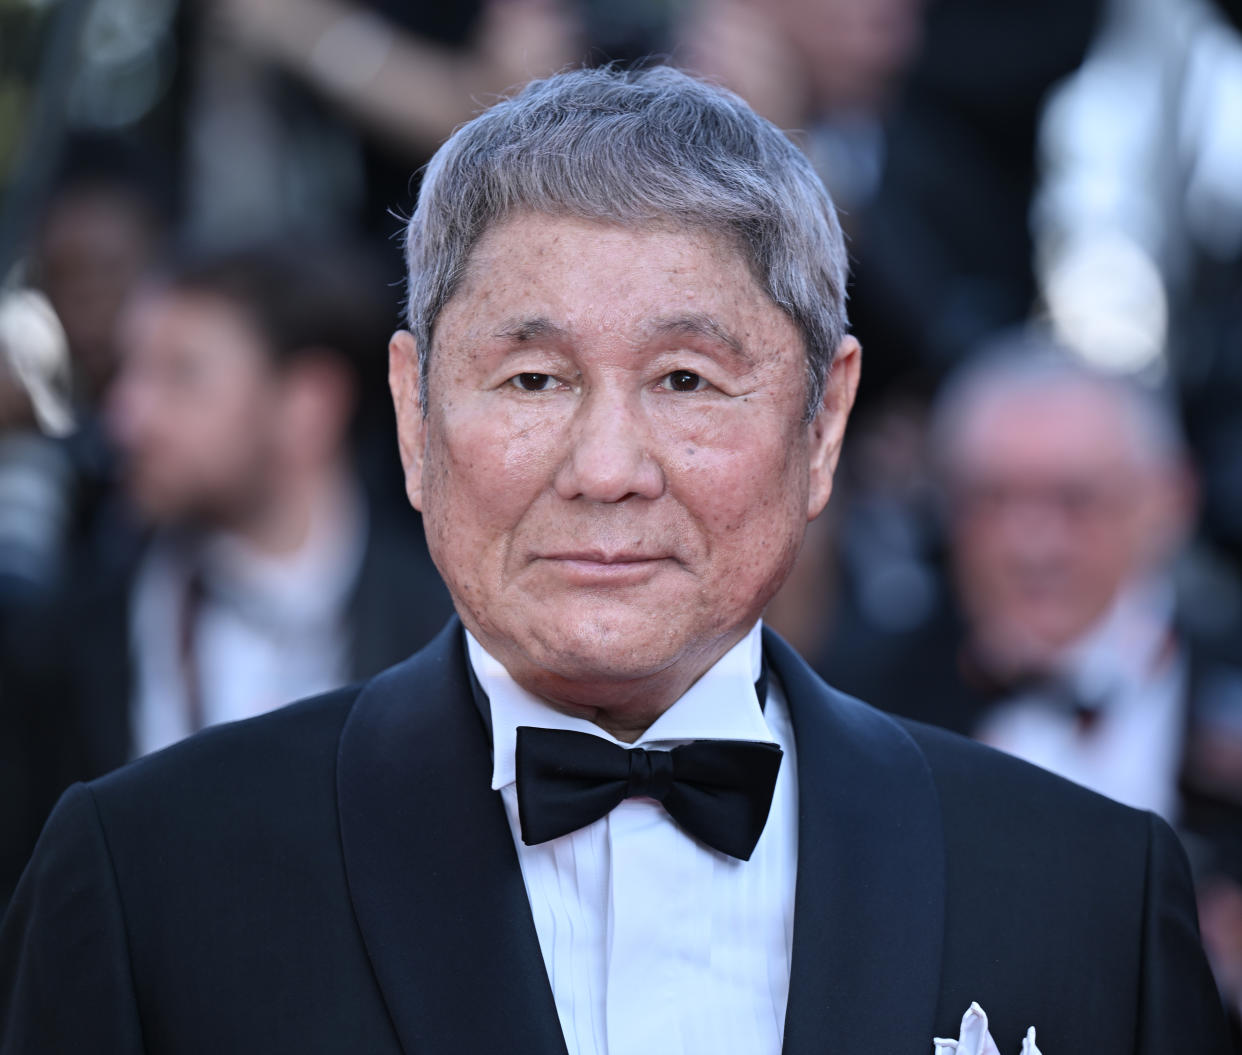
<point>403,380</point>
<point>827,431</point>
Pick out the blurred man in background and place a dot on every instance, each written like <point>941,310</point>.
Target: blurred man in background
<point>1068,499</point>
<point>232,412</point>
<point>256,568</point>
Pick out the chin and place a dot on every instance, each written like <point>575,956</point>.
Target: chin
<point>589,655</point>
<point>156,506</point>
<point>635,645</point>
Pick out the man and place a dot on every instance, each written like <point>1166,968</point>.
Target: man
<point>616,414</point>
<point>269,575</point>
<point>1069,496</point>
<point>1068,499</point>
<point>261,571</point>
<point>1083,657</point>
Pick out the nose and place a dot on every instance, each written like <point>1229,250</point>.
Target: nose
<point>1037,539</point>
<point>612,452</point>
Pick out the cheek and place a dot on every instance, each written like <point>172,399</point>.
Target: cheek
<point>241,428</point>
<point>1107,558</point>
<point>480,474</point>
<point>749,501</point>
<point>982,569</point>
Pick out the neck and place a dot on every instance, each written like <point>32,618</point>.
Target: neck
<point>625,712</point>
<point>623,704</point>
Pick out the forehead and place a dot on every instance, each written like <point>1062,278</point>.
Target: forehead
<point>595,277</point>
<point>170,321</point>
<point>1054,430</point>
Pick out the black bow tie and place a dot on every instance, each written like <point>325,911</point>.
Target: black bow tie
<point>719,791</point>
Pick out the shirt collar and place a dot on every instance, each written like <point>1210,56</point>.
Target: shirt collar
<point>721,705</point>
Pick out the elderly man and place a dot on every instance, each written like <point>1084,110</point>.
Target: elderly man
<point>1062,539</point>
<point>1077,645</point>
<point>616,415</point>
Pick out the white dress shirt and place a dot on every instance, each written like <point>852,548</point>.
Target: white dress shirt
<point>653,942</point>
<point>270,629</point>
<point>1128,670</point>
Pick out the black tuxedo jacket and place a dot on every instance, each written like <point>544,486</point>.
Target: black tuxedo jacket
<point>397,603</point>
<point>339,877</point>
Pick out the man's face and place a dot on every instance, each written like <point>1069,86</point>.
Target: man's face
<point>1054,512</point>
<point>193,408</point>
<point>613,471</point>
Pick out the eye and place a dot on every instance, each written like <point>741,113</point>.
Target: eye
<point>684,381</point>
<point>532,382</point>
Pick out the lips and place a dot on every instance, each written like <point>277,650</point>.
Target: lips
<point>602,557</point>
<point>595,568</point>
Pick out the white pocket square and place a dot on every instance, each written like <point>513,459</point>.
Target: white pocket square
<point>975,1039</point>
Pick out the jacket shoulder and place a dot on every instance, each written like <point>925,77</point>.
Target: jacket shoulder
<point>972,775</point>
<point>289,744</point>
<point>247,798</point>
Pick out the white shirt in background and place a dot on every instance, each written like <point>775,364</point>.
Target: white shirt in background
<point>269,630</point>
<point>1128,670</point>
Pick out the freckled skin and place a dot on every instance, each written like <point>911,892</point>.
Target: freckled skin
<point>613,471</point>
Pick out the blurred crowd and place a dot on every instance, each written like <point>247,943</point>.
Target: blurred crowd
<point>1037,536</point>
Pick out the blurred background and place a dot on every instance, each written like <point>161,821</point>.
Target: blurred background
<point>1037,535</point>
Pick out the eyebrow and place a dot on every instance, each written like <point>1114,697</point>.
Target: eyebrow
<point>522,331</point>
<point>700,325</point>
<point>525,330</point>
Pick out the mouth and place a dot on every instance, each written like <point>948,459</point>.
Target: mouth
<point>602,556</point>
<point>598,568</point>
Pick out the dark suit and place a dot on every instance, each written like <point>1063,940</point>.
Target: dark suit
<point>65,712</point>
<point>955,692</point>
<point>397,603</point>
<point>339,876</point>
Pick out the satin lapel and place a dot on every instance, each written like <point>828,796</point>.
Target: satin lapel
<point>432,870</point>
<point>869,909</point>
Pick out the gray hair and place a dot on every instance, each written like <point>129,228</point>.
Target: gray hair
<point>1032,362</point>
<point>635,147</point>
